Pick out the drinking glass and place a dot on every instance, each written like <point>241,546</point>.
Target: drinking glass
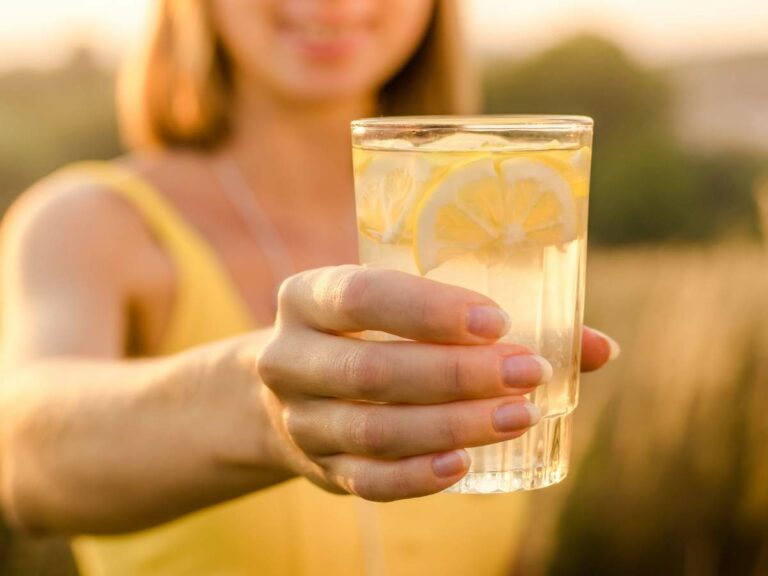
<point>498,205</point>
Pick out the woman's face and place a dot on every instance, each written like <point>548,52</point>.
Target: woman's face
<point>321,50</point>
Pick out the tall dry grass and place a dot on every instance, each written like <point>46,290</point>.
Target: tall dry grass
<point>671,473</point>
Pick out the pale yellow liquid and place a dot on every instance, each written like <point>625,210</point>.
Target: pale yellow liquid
<point>540,286</point>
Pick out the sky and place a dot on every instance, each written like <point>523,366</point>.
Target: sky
<point>660,32</point>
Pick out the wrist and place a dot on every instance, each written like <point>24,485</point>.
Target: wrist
<point>246,437</point>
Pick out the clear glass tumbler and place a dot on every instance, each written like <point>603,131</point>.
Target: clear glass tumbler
<point>498,205</point>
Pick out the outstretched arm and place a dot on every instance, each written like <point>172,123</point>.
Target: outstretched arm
<point>90,441</point>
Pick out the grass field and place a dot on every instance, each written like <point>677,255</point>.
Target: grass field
<point>671,472</point>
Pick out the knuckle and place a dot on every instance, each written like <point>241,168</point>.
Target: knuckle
<point>395,483</point>
<point>451,431</point>
<point>433,310</point>
<point>288,291</point>
<point>362,484</point>
<point>295,425</point>
<point>401,484</point>
<point>367,484</point>
<point>456,379</point>
<point>369,433</point>
<point>365,368</point>
<point>349,295</point>
<point>269,364</point>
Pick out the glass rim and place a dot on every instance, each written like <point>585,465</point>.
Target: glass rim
<point>478,123</point>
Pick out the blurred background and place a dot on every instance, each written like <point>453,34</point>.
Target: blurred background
<point>671,468</point>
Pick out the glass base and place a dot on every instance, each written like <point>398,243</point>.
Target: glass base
<point>538,459</point>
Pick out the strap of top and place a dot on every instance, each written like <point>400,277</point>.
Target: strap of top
<point>161,218</point>
<point>207,305</point>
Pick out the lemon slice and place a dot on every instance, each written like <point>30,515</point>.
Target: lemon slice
<point>388,186</point>
<point>572,165</point>
<point>483,209</point>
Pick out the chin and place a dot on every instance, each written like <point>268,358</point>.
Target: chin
<point>327,88</point>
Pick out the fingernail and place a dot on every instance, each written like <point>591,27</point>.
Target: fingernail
<point>511,417</point>
<point>450,463</point>
<point>488,321</point>
<point>526,370</point>
<point>613,346</point>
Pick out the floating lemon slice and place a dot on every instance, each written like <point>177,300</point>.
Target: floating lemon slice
<point>483,209</point>
<point>388,188</point>
<point>572,165</point>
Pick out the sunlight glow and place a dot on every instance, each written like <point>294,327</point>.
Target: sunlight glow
<point>42,32</point>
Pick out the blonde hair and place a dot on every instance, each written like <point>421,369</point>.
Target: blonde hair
<point>178,91</point>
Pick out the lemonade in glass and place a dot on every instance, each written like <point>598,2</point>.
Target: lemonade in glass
<point>497,205</point>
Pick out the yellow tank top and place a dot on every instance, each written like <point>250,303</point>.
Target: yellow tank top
<point>293,529</point>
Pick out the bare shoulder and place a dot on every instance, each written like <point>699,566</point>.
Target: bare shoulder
<point>68,222</point>
<point>181,176</point>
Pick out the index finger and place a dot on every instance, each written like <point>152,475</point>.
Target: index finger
<point>352,299</point>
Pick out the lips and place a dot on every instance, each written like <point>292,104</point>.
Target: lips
<point>329,38</point>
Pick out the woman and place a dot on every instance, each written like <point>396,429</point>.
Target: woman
<point>129,399</point>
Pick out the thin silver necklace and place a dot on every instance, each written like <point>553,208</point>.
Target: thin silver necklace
<point>259,226</point>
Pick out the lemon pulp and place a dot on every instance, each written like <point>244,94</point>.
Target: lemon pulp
<point>487,209</point>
